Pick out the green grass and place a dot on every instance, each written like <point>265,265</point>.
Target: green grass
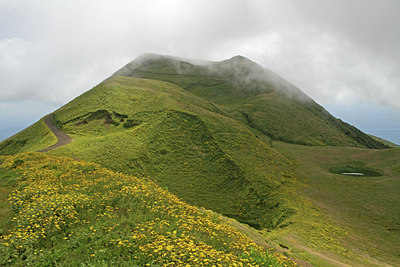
<point>386,142</point>
<point>70,213</point>
<point>365,207</point>
<point>287,120</point>
<point>182,142</point>
<point>8,181</point>
<point>258,98</point>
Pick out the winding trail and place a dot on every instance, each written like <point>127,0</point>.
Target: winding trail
<point>63,138</point>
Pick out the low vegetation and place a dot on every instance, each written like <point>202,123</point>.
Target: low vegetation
<point>257,97</point>
<point>251,148</point>
<point>67,212</point>
<point>183,143</point>
<point>365,207</point>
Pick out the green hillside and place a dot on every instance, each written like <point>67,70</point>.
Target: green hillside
<point>156,129</point>
<point>386,142</point>
<point>260,98</point>
<point>366,206</point>
<point>73,213</point>
<point>236,139</point>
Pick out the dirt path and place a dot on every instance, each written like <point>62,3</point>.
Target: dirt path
<point>62,137</point>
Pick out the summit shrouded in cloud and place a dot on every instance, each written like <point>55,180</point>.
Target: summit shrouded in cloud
<point>336,52</point>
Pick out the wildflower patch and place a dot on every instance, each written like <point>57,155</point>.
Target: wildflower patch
<point>70,212</point>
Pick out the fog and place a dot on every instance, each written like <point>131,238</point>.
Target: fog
<point>340,51</point>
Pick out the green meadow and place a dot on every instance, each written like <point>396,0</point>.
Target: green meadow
<point>364,205</point>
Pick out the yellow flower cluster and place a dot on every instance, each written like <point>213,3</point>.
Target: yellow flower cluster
<point>61,202</point>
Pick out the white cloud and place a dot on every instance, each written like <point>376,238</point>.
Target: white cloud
<point>55,50</point>
<point>12,52</point>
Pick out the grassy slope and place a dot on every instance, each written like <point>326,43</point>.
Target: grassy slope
<point>68,212</point>
<point>34,138</point>
<point>298,124</point>
<point>237,84</point>
<point>238,175</point>
<point>159,130</point>
<point>163,131</point>
<point>386,142</point>
<point>367,207</point>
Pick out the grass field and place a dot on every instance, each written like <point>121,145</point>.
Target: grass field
<point>366,206</point>
<point>67,212</point>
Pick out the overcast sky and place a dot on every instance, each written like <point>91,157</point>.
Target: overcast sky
<point>342,53</point>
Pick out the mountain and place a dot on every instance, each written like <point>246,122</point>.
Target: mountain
<point>256,96</point>
<point>232,137</point>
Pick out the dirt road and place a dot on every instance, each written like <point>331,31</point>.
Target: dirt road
<point>62,137</point>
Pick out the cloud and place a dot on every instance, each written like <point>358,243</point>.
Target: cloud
<point>335,51</point>
<point>12,52</point>
<point>328,68</point>
<point>370,24</point>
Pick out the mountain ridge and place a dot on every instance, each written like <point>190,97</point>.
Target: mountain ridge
<point>238,78</point>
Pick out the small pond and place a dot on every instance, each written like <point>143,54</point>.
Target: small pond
<point>353,173</point>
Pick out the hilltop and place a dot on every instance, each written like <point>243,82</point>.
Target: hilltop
<point>255,96</point>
